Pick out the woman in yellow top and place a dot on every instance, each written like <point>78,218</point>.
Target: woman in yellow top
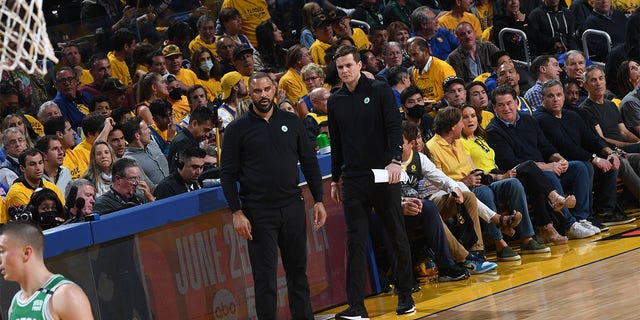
<point>150,87</point>
<point>207,68</point>
<point>541,192</point>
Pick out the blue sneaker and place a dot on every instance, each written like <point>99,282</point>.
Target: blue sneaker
<point>477,264</point>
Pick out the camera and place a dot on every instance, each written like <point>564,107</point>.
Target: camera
<point>45,220</point>
<point>485,179</point>
<point>20,212</point>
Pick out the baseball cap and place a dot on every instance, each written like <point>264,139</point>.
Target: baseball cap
<point>336,15</point>
<point>168,78</point>
<point>171,50</point>
<point>451,80</point>
<point>227,82</point>
<point>320,19</point>
<point>240,50</point>
<point>113,84</point>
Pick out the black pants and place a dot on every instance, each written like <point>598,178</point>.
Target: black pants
<point>538,187</point>
<point>604,189</point>
<point>285,228</point>
<point>360,195</point>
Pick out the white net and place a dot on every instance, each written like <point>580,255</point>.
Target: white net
<point>23,31</point>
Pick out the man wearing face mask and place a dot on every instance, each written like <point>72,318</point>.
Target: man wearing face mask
<point>261,151</point>
<point>413,107</point>
<point>179,102</point>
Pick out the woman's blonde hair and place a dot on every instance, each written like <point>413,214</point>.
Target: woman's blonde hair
<point>93,172</point>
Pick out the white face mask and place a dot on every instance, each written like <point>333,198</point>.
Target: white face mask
<point>206,66</point>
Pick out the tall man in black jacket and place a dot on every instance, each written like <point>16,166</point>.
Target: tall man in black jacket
<point>261,151</point>
<point>366,133</point>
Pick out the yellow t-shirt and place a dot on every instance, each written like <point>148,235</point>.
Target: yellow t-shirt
<point>35,124</point>
<point>86,77</point>
<point>291,82</point>
<point>187,77</point>
<point>482,155</point>
<point>198,43</point>
<point>455,164</point>
<point>181,109</point>
<point>19,194</point>
<point>486,118</point>
<point>119,69</point>
<point>430,82</point>
<point>213,86</point>
<point>450,23</point>
<point>360,39</point>
<point>252,13</point>
<point>485,15</point>
<point>75,163</point>
<point>317,52</point>
<point>83,151</point>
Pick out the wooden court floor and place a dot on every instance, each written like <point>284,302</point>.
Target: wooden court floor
<point>584,279</point>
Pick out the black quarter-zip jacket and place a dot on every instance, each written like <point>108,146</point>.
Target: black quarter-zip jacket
<point>365,128</point>
<point>263,157</point>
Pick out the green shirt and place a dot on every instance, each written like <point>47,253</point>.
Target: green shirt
<point>37,306</point>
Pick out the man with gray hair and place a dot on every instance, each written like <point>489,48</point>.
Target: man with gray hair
<point>425,25</point>
<point>14,143</point>
<point>392,56</point>
<point>473,57</point>
<point>206,37</point>
<point>398,78</point>
<point>317,116</point>
<point>48,110</point>
<point>80,197</point>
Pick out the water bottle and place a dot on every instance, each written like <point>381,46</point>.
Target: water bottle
<point>323,144</point>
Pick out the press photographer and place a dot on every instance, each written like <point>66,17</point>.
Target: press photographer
<point>44,208</point>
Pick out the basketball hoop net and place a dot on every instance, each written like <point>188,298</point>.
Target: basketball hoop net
<point>24,37</point>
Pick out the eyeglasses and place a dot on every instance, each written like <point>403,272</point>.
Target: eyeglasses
<point>66,80</point>
<point>132,180</point>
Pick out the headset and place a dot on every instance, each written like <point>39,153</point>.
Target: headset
<point>178,160</point>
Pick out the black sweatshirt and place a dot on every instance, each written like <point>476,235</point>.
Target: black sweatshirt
<point>365,128</point>
<point>263,157</point>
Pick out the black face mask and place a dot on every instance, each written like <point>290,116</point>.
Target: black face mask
<point>416,112</point>
<point>175,94</point>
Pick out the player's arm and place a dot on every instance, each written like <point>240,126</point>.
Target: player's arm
<point>69,302</point>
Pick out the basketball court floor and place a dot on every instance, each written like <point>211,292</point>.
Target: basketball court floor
<point>594,278</point>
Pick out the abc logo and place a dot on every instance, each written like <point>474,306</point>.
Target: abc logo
<point>224,306</point>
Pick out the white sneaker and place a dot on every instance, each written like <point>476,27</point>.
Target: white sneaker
<point>587,225</point>
<point>577,231</point>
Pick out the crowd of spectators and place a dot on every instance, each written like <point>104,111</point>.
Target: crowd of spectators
<point>139,114</point>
